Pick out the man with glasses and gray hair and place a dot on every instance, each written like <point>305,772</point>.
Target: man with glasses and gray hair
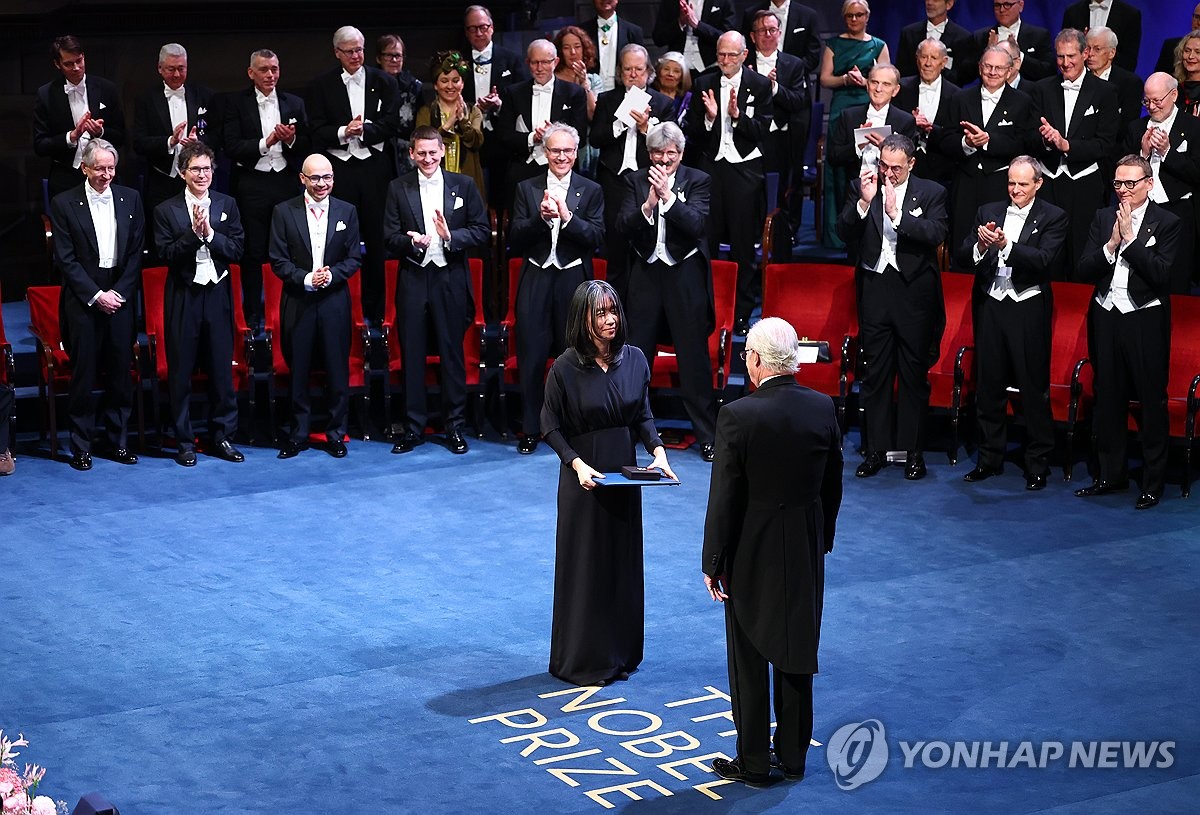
<point>1128,257</point>
<point>1033,41</point>
<point>1165,138</point>
<point>772,511</point>
<point>665,216</point>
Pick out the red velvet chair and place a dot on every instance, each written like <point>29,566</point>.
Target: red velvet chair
<point>54,366</point>
<point>360,342</point>
<point>952,377</point>
<point>720,341</point>
<point>473,346</point>
<point>818,299</point>
<point>154,281</point>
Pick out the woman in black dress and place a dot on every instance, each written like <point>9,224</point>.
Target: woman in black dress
<point>597,407</point>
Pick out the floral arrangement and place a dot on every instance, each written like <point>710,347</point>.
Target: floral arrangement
<point>17,789</point>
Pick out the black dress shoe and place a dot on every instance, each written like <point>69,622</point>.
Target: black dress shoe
<point>527,445</point>
<point>81,461</point>
<point>873,463</point>
<point>708,452</point>
<point>227,451</point>
<point>336,448</point>
<point>1035,481</point>
<point>1146,500</point>
<point>742,326</point>
<point>733,771</point>
<point>982,473</point>
<point>790,775</point>
<point>289,449</point>
<point>914,470</point>
<point>407,442</point>
<point>456,442</point>
<point>186,458</point>
<point>123,455</point>
<point>1102,487</point>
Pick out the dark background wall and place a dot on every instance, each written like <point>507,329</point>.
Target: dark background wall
<point>122,41</point>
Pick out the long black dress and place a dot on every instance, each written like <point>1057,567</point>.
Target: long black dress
<point>598,626</point>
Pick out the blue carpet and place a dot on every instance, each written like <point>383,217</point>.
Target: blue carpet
<point>318,635</point>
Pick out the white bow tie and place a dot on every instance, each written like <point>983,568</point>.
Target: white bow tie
<point>940,28</point>
<point>106,198</point>
<point>991,97</point>
<point>75,90</point>
<point>1003,31</point>
<point>1017,212</point>
<point>355,78</point>
<point>263,101</point>
<point>547,88</point>
<point>1098,6</point>
<point>1072,86</point>
<point>432,181</point>
<point>177,93</point>
<point>728,83</point>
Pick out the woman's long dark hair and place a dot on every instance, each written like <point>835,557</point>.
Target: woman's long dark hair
<point>587,299</point>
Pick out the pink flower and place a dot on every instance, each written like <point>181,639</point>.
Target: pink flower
<point>43,805</point>
<point>10,784</point>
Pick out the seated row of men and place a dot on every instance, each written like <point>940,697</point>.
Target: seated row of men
<point>896,221</point>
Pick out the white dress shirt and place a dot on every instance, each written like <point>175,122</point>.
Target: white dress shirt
<point>1099,13</point>
<point>887,246</point>
<point>1118,294</point>
<point>558,189</point>
<point>868,152</point>
<point>317,214</point>
<point>268,117</point>
<point>543,96</point>
<point>206,270</point>
<point>482,61</point>
<point>433,198</point>
<point>356,91</point>
<point>78,100</point>
<point>691,43</point>
<point>177,108</point>
<point>727,150</point>
<point>1158,194</point>
<point>1002,286</point>
<point>104,220</point>
<point>607,51</point>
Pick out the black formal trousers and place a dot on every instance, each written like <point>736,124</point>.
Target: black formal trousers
<point>364,183</point>
<point>427,294</point>
<point>750,695</point>
<point>257,194</point>
<point>98,344</point>
<point>1131,357</point>
<point>898,324</point>
<point>543,296</point>
<point>616,245</point>
<point>736,211</point>
<point>316,326</point>
<point>1079,198</point>
<point>677,296</point>
<point>199,328</point>
<point>1012,346</point>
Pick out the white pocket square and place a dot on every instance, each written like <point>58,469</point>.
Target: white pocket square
<point>1034,232</point>
<point>679,194</point>
<point>506,72</point>
<point>1153,240</point>
<point>201,111</point>
<point>292,120</point>
<point>458,202</point>
<point>224,217</point>
<point>750,111</point>
<point>103,106</point>
<point>916,213</point>
<point>1004,123</point>
<point>378,105</point>
<point>1182,148</point>
<point>714,9</point>
<point>340,226</point>
<point>1089,111</point>
<point>566,107</point>
<point>798,30</point>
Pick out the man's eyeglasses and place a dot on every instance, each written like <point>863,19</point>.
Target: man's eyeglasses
<point>1147,101</point>
<point>320,179</point>
<point>561,151</point>
<point>1003,6</point>
<point>770,32</point>
<point>350,52</point>
<point>479,29</point>
<point>392,56</point>
<point>1129,185</point>
<point>747,352</point>
<point>200,170</point>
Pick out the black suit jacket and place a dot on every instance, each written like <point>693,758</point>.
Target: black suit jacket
<point>773,502</point>
<point>329,109</point>
<point>465,216</point>
<point>77,254</point>
<point>529,235</point>
<point>612,148</point>
<point>291,248</point>
<point>1033,254</point>
<point>756,110</point>
<point>152,123</point>
<point>959,43</point>
<point>791,98</point>
<point>716,18</point>
<point>1037,48</point>
<point>1129,88</point>
<point>1150,255</point>
<point>922,227</point>
<point>841,134</point>
<point>932,160</point>
<point>627,32</point>
<point>177,244</point>
<point>242,130</point>
<point>1180,169</point>
<point>52,119</point>
<point>568,104</point>
<point>1009,130</point>
<point>508,68</point>
<point>1094,123</point>
<point>802,36</point>
<point>1123,18</point>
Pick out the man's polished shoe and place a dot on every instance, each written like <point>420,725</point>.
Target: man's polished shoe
<point>1035,481</point>
<point>708,452</point>
<point>1102,487</point>
<point>407,442</point>
<point>336,448</point>
<point>741,327</point>
<point>733,771</point>
<point>456,442</point>
<point>1146,500</point>
<point>981,473</point>
<point>186,458</point>
<point>914,470</point>
<point>289,449</point>
<point>81,461</point>
<point>873,463</point>
<point>527,445</point>
<point>227,451</point>
<point>122,455</point>
<point>790,775</point>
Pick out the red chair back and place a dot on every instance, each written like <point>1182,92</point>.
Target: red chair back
<point>154,284</point>
<point>44,325</point>
<point>1069,345</point>
<point>1185,358</point>
<point>273,290</point>
<point>819,300</point>
<point>959,334</point>
<point>720,341</point>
